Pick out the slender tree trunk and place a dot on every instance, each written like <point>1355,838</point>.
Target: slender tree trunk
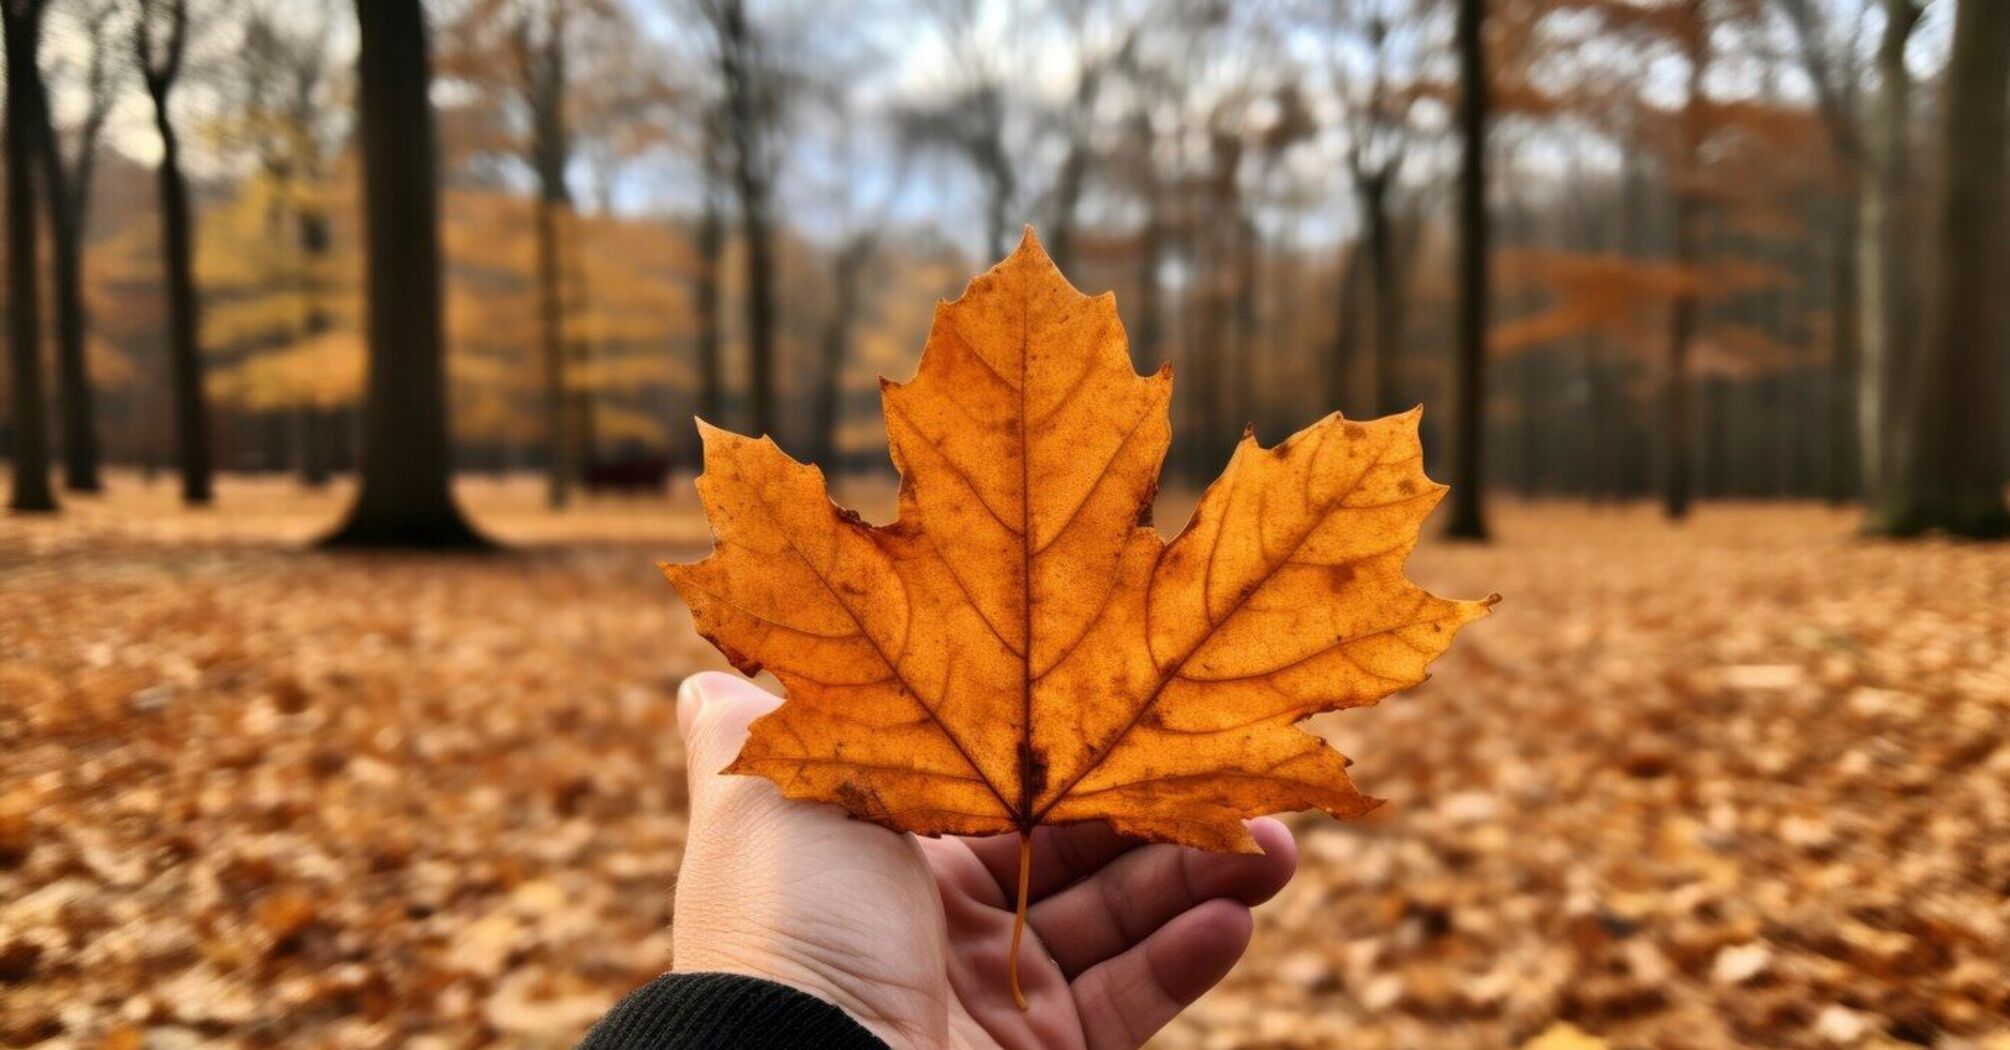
<point>1954,474</point>
<point>192,432</point>
<point>1845,354</point>
<point>1245,372</point>
<point>744,85</point>
<point>311,229</point>
<point>545,83</point>
<point>1385,324</point>
<point>847,271</point>
<point>1889,314</point>
<point>760,305</point>
<point>1067,199</point>
<point>1678,429</point>
<point>31,490</point>
<point>997,213</point>
<point>406,499</point>
<point>551,356</point>
<point>1146,353</point>
<point>1347,324</point>
<point>711,260</point>
<point>65,217</point>
<point>1468,517</point>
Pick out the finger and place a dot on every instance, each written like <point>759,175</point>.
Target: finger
<point>713,712</point>
<point>1123,1001</point>
<point>1061,855</point>
<point>1142,890</point>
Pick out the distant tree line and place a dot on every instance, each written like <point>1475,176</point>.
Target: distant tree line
<point>543,233</point>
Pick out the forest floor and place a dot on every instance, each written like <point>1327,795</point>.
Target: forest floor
<point>1742,782</point>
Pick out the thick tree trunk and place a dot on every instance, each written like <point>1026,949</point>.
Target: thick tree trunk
<point>184,353</point>
<point>406,499</point>
<point>65,214</point>
<point>1889,313</point>
<point>1468,517</point>
<point>31,489</point>
<point>1955,469</point>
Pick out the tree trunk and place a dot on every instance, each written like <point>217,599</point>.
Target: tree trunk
<point>1067,199</point>
<point>544,74</point>
<point>1954,474</point>
<point>406,498</point>
<point>65,214</point>
<point>311,229</point>
<point>711,260</point>
<point>1845,354</point>
<point>32,491</point>
<point>1145,350</point>
<point>760,305</point>
<point>184,353</point>
<point>1385,323</point>
<point>1678,432</point>
<point>1886,230</point>
<point>1468,516</point>
<point>1347,324</point>
<point>551,356</point>
<point>847,270</point>
<point>737,52</point>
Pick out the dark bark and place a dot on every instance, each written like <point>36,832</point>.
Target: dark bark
<point>406,499</point>
<point>747,110</point>
<point>1844,356</point>
<point>542,65</point>
<point>1468,516</point>
<point>20,20</point>
<point>834,347</point>
<point>1836,95</point>
<point>1678,431</point>
<point>65,219</point>
<point>1347,325</point>
<point>315,240</point>
<point>1145,351</point>
<point>711,260</point>
<point>1954,474</point>
<point>1384,300</point>
<point>159,71</point>
<point>1889,309</point>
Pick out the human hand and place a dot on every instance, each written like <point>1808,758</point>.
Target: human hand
<point>910,936</point>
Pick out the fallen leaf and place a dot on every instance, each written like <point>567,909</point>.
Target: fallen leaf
<point>1021,647</point>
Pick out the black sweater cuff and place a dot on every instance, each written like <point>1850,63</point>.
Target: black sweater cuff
<point>716,1011</point>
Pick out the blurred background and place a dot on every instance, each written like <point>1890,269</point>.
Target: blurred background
<point>1703,300</point>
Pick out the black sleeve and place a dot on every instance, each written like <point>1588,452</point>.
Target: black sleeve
<point>717,1011</point>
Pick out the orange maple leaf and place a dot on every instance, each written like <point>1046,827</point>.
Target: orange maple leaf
<point>1021,647</point>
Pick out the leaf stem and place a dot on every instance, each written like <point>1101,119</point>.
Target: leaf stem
<point>1019,914</point>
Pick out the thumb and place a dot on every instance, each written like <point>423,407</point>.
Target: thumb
<point>713,713</point>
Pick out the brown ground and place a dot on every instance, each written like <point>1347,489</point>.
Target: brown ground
<point>1741,783</point>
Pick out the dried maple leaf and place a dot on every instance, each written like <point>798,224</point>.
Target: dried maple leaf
<point>1021,647</point>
